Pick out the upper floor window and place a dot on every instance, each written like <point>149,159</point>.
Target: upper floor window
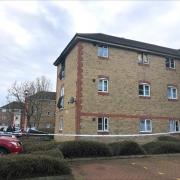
<point>103,124</point>
<point>170,63</point>
<point>48,113</point>
<point>103,51</point>
<point>174,125</point>
<point>60,104</point>
<point>62,71</point>
<point>172,92</point>
<point>145,125</point>
<point>103,85</point>
<point>144,89</point>
<point>143,58</point>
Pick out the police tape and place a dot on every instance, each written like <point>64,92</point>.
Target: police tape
<point>100,135</point>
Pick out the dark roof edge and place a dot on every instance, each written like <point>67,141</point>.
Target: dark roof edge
<point>69,46</point>
<point>78,37</point>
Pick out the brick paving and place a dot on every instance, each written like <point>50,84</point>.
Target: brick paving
<point>151,168</point>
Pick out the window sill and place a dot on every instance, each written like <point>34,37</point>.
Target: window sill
<point>103,132</point>
<point>173,100</point>
<point>104,58</point>
<point>170,69</point>
<point>144,64</point>
<point>60,131</point>
<point>174,132</point>
<point>144,97</point>
<point>103,93</point>
<point>145,132</point>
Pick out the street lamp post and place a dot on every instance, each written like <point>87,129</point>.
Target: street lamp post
<point>26,109</point>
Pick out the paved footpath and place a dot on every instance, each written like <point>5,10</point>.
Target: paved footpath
<point>151,168</point>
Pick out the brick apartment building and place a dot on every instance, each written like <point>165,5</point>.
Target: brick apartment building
<point>42,107</point>
<point>112,85</point>
<point>11,114</point>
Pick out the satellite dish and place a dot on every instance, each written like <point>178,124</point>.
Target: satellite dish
<point>71,100</point>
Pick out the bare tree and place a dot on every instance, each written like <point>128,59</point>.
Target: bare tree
<point>36,91</point>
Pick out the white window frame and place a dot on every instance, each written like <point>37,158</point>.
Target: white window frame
<point>104,129</point>
<point>144,85</point>
<point>171,94</point>
<point>61,124</point>
<point>172,125</point>
<point>62,95</point>
<point>103,51</point>
<point>170,59</point>
<point>62,91</point>
<point>103,84</point>
<point>145,124</point>
<point>48,125</point>
<point>143,58</point>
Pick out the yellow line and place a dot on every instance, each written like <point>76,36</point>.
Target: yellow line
<point>177,178</point>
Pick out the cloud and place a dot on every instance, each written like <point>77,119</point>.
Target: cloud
<point>33,33</point>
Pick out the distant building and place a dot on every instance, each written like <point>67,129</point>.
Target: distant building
<point>42,107</point>
<point>11,114</point>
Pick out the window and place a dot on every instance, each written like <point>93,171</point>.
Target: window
<point>103,85</point>
<point>103,124</point>
<point>103,51</point>
<point>61,124</point>
<point>143,58</point>
<point>48,125</point>
<point>60,104</point>
<point>144,89</point>
<point>145,125</point>
<point>174,125</point>
<point>62,71</point>
<point>170,63</point>
<point>172,92</point>
<point>48,113</point>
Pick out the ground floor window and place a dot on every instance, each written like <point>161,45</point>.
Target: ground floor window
<point>61,124</point>
<point>174,125</point>
<point>48,125</point>
<point>145,125</point>
<point>103,124</point>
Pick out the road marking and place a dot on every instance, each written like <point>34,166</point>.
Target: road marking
<point>145,168</point>
<point>160,173</point>
<point>133,163</point>
<point>177,178</point>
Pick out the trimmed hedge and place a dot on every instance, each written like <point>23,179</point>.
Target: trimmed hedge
<point>162,147</point>
<point>53,153</point>
<point>38,146</point>
<point>169,138</point>
<point>71,149</point>
<point>126,148</point>
<point>24,166</point>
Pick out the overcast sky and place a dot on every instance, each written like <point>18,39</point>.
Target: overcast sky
<point>33,33</point>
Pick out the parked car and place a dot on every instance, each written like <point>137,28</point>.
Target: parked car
<point>10,145</point>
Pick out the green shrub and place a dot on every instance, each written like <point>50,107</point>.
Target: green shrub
<point>38,146</point>
<point>126,148</point>
<point>169,138</point>
<point>72,149</point>
<point>53,153</point>
<point>162,147</point>
<point>23,166</point>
